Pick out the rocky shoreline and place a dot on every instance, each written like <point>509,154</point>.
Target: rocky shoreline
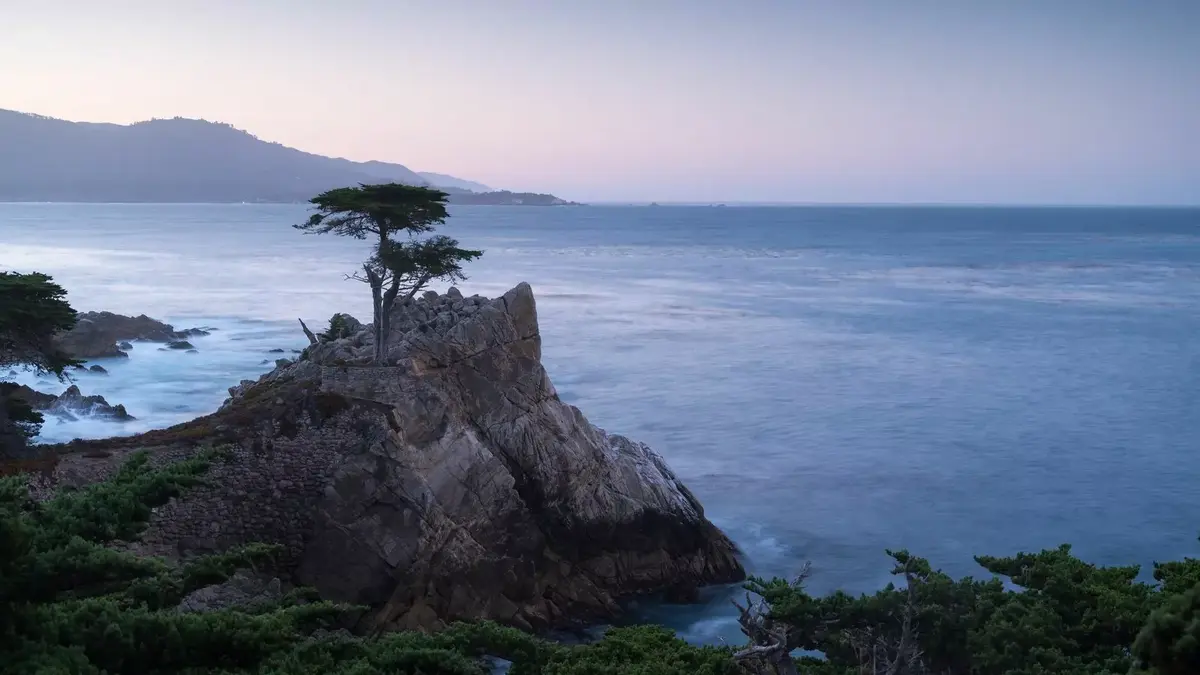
<point>101,335</point>
<point>71,404</point>
<point>448,483</point>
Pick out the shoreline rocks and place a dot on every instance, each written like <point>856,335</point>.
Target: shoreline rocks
<point>72,404</point>
<point>99,335</point>
<point>448,483</point>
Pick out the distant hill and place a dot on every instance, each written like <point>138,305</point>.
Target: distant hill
<point>176,160</point>
<point>506,198</point>
<point>443,181</point>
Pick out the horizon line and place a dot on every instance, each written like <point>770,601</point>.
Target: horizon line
<point>688,204</point>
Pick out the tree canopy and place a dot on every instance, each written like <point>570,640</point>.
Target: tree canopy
<point>383,214</point>
<point>380,211</point>
<point>33,309</point>
<point>1056,614</point>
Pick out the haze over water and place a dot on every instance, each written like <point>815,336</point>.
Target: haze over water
<point>830,382</point>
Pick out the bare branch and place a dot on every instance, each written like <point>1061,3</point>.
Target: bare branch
<point>312,339</point>
<point>881,654</point>
<point>768,639</point>
<point>804,573</point>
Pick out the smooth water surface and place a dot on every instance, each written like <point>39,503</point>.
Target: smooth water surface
<point>830,382</point>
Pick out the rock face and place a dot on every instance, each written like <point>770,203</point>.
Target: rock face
<point>241,590</point>
<point>97,334</point>
<point>449,483</point>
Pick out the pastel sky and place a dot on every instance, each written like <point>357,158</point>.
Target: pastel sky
<point>1028,101</point>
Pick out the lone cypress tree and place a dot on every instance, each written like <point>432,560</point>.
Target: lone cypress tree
<point>383,214</point>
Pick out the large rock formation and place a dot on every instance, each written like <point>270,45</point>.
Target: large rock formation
<point>97,334</point>
<point>449,483</point>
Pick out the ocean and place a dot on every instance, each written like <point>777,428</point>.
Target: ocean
<point>830,382</point>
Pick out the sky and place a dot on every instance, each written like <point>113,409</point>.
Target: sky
<point>910,101</point>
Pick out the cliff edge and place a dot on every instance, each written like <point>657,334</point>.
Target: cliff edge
<point>449,483</point>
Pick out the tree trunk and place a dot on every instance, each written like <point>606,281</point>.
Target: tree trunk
<point>786,666</point>
<point>385,320</point>
<point>377,311</point>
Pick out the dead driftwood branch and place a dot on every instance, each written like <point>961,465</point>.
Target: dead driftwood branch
<point>312,339</point>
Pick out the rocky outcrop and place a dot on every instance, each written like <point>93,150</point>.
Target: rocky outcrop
<point>448,483</point>
<point>243,589</point>
<point>97,334</point>
<point>72,404</point>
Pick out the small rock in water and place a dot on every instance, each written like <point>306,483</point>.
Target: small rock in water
<point>264,362</point>
<point>98,369</point>
<point>125,345</point>
<point>275,351</point>
<point>179,344</point>
<point>12,373</point>
<point>193,351</point>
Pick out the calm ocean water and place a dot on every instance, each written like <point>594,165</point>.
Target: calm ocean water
<point>830,382</point>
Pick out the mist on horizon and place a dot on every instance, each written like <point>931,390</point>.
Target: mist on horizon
<point>869,102</point>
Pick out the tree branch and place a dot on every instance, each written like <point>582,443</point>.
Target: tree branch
<point>312,339</point>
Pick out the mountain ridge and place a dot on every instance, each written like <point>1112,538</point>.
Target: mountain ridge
<point>185,160</point>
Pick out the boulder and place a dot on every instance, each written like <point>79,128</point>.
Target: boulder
<point>179,344</point>
<point>72,403</point>
<point>448,483</point>
<point>98,369</point>
<point>243,589</point>
<point>97,334</point>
